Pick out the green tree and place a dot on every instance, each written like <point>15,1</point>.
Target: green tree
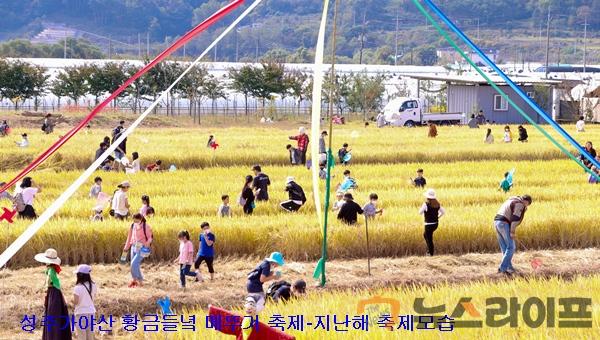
<point>243,81</point>
<point>214,90</point>
<point>72,81</point>
<point>365,93</point>
<point>20,81</point>
<point>297,83</point>
<point>191,88</point>
<point>427,55</point>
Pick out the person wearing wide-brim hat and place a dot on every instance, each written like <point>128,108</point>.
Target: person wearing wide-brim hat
<point>55,307</point>
<point>432,210</point>
<point>120,203</point>
<point>263,273</point>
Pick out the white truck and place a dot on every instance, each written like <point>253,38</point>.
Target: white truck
<point>409,112</point>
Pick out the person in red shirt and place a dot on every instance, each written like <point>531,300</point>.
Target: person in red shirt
<point>303,141</point>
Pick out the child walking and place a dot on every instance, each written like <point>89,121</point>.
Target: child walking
<point>206,250</point>
<point>432,210</point>
<point>370,209</point>
<point>139,236</point>
<point>224,209</point>
<point>186,257</point>
<point>84,294</point>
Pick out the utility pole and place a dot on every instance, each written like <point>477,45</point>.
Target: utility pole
<point>139,46</point>
<point>215,60</point>
<point>147,44</point>
<point>548,41</point>
<point>237,46</point>
<point>65,47</point>
<point>184,45</point>
<point>585,26</point>
<point>397,28</point>
<point>109,47</point>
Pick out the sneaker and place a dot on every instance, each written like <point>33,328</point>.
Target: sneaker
<point>132,284</point>
<point>199,278</point>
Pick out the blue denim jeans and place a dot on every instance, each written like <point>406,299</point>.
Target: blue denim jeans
<point>507,245</point>
<point>136,263</point>
<point>184,270</point>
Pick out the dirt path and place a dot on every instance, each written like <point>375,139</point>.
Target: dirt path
<point>21,291</point>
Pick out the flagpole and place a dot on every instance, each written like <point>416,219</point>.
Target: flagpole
<point>330,159</point>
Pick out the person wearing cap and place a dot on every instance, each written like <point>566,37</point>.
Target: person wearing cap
<point>84,294</point>
<point>55,307</point>
<point>260,184</point>
<point>120,201</point>
<point>263,273</point>
<point>508,218</point>
<point>24,141</point>
<point>297,198</point>
<point>350,210</point>
<point>432,211</point>
<point>303,141</point>
<point>286,291</point>
<point>139,236</point>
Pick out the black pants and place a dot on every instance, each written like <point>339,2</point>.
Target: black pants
<point>55,309</point>
<point>208,260</point>
<point>428,234</point>
<point>248,209</point>
<point>302,157</point>
<point>28,213</point>
<point>290,206</point>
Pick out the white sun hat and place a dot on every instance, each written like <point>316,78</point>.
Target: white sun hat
<point>430,194</point>
<point>50,256</point>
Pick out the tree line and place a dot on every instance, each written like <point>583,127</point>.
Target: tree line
<point>21,81</point>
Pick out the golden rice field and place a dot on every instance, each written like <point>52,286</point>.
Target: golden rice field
<point>345,303</point>
<point>463,170</point>
<point>186,147</point>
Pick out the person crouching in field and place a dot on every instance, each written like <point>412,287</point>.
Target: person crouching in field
<point>154,167</point>
<point>506,221</point>
<point>261,274</point>
<point>523,136</point>
<point>185,258</point>
<point>297,198</point>
<point>489,138</point>
<point>84,294</point>
<point>224,209</point>
<point>370,209</point>
<point>350,210</point>
<point>55,307</point>
<point>206,250</point>
<point>294,154</point>
<point>24,141</point>
<point>140,235</point>
<point>433,132</point>
<point>432,210</point>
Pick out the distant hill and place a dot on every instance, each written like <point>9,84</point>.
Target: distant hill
<point>286,29</point>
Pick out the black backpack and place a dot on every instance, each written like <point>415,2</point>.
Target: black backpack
<point>274,287</point>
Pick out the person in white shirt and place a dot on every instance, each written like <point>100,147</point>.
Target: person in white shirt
<point>24,141</point>
<point>134,166</point>
<point>84,294</point>
<point>120,202</point>
<point>580,125</point>
<point>26,191</point>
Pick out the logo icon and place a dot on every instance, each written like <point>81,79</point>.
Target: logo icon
<point>378,304</point>
<point>8,215</point>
